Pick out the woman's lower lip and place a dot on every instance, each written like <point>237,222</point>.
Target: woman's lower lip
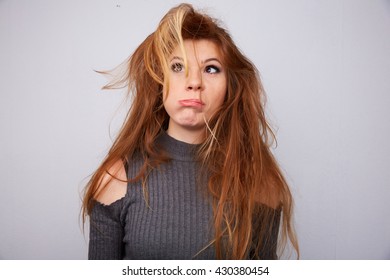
<point>191,103</point>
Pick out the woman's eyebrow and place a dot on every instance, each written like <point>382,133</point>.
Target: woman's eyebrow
<point>177,57</point>
<point>207,60</point>
<point>212,59</point>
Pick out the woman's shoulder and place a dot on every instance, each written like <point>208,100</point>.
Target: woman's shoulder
<point>113,185</point>
<point>270,195</point>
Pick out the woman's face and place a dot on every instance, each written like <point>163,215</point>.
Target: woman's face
<point>193,98</point>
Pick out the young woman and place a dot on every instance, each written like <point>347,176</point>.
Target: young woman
<point>190,175</point>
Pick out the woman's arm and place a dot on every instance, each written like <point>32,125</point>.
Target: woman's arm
<point>106,229</point>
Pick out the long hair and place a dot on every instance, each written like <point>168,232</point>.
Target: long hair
<point>245,181</point>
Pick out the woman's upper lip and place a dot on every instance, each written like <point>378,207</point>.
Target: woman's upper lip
<point>192,102</point>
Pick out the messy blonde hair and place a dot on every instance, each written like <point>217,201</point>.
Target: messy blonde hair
<point>245,181</point>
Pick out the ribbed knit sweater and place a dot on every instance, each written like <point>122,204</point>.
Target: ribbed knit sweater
<point>175,222</point>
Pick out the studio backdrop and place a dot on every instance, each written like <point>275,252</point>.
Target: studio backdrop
<point>325,66</point>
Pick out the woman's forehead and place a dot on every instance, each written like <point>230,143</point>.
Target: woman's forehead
<point>201,50</point>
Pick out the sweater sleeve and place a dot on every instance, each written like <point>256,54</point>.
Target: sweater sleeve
<point>268,249</point>
<point>273,240</point>
<point>106,232</point>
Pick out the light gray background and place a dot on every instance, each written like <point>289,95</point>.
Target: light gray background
<point>325,66</point>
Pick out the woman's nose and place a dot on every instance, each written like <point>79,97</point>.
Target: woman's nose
<point>194,81</point>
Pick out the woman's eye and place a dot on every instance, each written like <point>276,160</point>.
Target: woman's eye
<point>177,67</point>
<point>211,69</point>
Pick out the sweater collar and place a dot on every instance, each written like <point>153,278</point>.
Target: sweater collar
<point>177,149</point>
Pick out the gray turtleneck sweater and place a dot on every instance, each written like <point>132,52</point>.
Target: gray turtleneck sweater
<point>175,222</point>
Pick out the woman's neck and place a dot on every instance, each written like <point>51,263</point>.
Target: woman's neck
<point>190,136</point>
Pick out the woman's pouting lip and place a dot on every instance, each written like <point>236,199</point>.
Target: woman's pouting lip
<point>197,103</point>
